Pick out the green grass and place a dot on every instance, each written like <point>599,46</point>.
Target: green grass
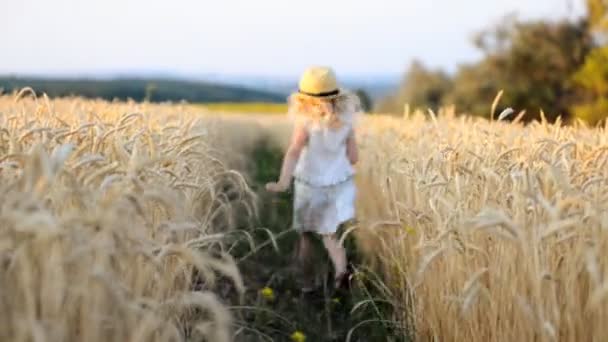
<point>246,107</point>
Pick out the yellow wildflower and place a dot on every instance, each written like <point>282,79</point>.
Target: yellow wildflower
<point>267,293</point>
<point>298,336</point>
<point>360,276</point>
<point>409,229</point>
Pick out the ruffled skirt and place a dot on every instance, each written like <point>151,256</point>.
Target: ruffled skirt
<point>323,209</point>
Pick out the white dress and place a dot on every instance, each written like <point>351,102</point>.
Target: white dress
<point>324,186</point>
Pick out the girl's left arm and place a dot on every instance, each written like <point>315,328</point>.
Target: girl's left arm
<point>352,151</point>
<point>298,141</point>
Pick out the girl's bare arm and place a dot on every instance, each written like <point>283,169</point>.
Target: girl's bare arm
<point>298,141</point>
<point>352,151</point>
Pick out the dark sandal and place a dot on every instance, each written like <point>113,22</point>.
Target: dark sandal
<point>307,289</point>
<point>343,281</point>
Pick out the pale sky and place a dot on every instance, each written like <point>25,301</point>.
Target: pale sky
<point>253,37</point>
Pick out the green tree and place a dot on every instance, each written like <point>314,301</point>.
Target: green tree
<point>592,78</point>
<point>531,61</point>
<point>150,89</point>
<point>475,87</point>
<point>597,11</point>
<point>366,101</point>
<point>420,88</point>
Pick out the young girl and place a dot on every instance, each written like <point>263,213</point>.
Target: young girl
<point>321,157</point>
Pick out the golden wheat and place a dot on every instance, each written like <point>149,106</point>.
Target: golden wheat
<point>106,212</point>
<point>482,230</point>
<point>488,230</point>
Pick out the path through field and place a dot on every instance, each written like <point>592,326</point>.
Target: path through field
<point>324,315</point>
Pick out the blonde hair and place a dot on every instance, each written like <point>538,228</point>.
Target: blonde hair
<point>330,112</point>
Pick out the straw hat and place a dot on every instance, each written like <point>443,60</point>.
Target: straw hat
<point>319,82</point>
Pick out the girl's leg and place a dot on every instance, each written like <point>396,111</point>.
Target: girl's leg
<point>337,254</point>
<point>303,250</point>
<point>303,260</point>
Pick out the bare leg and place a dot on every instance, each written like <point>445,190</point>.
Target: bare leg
<point>303,249</point>
<point>303,260</point>
<point>337,254</point>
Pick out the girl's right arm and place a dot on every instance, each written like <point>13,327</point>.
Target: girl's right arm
<point>298,141</point>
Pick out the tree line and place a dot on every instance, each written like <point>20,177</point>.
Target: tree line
<point>559,67</point>
<point>153,90</point>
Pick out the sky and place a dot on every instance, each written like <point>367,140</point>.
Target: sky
<point>249,37</point>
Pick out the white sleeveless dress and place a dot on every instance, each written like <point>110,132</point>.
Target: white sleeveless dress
<point>324,185</point>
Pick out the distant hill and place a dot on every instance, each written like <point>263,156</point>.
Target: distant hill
<point>377,86</point>
<point>138,89</point>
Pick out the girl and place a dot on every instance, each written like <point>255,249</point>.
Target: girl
<point>321,157</point>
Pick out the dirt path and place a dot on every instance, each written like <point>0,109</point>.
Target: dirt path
<point>274,308</point>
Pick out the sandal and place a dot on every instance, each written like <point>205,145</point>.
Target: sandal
<point>307,289</point>
<point>343,280</point>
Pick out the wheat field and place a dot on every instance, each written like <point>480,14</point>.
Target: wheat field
<point>114,217</point>
<point>110,212</point>
<point>486,230</point>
